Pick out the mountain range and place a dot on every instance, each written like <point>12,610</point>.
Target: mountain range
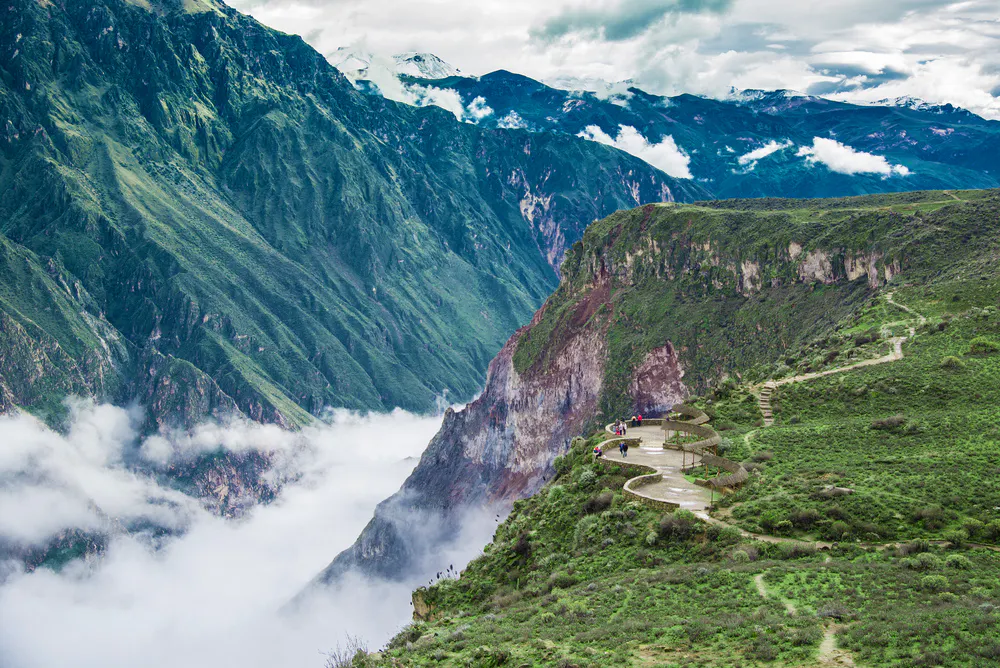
<point>752,143</point>
<point>203,216</point>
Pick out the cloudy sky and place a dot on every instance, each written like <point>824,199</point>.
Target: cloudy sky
<point>856,50</point>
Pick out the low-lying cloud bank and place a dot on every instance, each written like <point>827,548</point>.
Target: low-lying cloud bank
<point>211,593</point>
<point>843,159</point>
<point>664,155</point>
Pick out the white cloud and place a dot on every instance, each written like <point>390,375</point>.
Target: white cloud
<point>512,121</point>
<point>749,160</point>
<point>665,155</point>
<point>478,109</point>
<point>356,63</point>
<point>843,159</point>
<point>944,52</point>
<point>210,596</point>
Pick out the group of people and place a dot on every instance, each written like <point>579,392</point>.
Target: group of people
<point>619,427</point>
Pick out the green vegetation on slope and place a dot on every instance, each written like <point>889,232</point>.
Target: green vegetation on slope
<point>915,439</point>
<point>719,281</point>
<point>578,576</point>
<point>228,199</point>
<point>875,489</point>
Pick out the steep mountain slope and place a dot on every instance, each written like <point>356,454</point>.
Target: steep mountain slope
<point>226,223</point>
<point>656,303</point>
<point>940,146</point>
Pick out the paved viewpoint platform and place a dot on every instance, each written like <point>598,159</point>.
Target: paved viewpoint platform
<point>674,487</point>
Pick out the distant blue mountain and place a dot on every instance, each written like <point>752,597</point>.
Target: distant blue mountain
<point>758,143</point>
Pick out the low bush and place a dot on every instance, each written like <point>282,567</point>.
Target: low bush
<point>678,525</point>
<point>805,519</point>
<point>598,502</point>
<point>958,561</point>
<point>957,537</point>
<point>889,423</point>
<point>931,517</point>
<point>983,346</point>
<point>522,547</point>
<point>951,363</point>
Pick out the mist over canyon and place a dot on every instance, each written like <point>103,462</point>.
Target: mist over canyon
<point>241,282</point>
<point>193,588</point>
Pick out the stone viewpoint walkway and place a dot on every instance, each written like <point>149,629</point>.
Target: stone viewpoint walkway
<point>673,487</point>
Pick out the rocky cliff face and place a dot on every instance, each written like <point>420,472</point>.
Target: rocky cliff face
<point>500,447</point>
<point>653,303</point>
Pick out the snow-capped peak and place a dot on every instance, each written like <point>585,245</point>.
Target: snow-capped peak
<point>353,63</point>
<point>424,66</point>
<point>909,102</point>
<point>749,95</point>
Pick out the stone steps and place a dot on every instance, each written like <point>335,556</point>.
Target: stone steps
<point>764,400</point>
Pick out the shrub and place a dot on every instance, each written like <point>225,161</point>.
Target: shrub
<point>870,336</point>
<point>769,520</point>
<point>598,502</point>
<point>805,519</point>
<point>913,547</point>
<point>353,655</point>
<point>931,517</point>
<point>791,550</point>
<point>983,346</point>
<point>838,530</point>
<point>762,456</point>
<point>958,561</point>
<point>952,363</point>
<point>934,583</point>
<point>956,538</point>
<point>562,465</point>
<point>522,547</point>
<point>991,531</point>
<point>763,649</point>
<point>584,530</point>
<point>561,580</point>
<point>889,423</point>
<point>783,527</point>
<point>836,611</point>
<point>678,524</point>
<point>973,527</point>
<point>728,535</point>
<point>651,538</point>
<point>556,492</point>
<point>587,478</point>
<point>741,557</point>
<point>925,561</point>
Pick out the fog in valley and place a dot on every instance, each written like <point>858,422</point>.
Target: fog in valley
<point>212,591</point>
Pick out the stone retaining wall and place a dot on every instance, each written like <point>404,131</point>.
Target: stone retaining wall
<point>632,485</point>
<point>697,416</point>
<point>647,475</point>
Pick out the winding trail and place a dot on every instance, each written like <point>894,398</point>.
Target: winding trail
<point>765,391</point>
<point>829,655</point>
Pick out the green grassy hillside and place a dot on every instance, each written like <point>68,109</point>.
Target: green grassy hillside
<point>227,199</point>
<point>718,280</point>
<point>869,530</point>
